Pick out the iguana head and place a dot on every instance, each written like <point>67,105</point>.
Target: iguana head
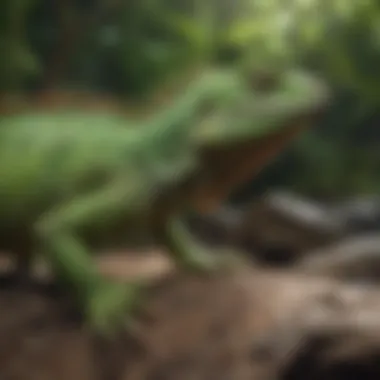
<point>239,138</point>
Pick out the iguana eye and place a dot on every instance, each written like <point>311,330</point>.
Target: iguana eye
<point>207,107</point>
<point>263,81</point>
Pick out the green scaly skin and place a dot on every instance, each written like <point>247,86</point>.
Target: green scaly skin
<point>70,182</point>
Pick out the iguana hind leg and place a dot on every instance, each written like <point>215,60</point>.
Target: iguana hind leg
<point>105,303</point>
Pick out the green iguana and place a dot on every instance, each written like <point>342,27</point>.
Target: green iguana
<point>70,182</point>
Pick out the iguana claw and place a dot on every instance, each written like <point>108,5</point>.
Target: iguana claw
<point>211,262</point>
<point>111,304</point>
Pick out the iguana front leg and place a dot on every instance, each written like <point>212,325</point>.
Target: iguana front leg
<point>187,252</point>
<point>106,304</point>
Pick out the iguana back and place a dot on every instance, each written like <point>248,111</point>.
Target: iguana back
<point>44,159</point>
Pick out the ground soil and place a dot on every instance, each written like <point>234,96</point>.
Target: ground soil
<point>249,324</point>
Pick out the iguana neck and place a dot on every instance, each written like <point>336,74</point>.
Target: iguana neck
<point>174,124</point>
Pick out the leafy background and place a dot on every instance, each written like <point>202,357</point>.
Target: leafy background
<point>130,50</point>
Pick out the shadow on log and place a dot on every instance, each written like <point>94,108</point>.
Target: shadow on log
<point>247,325</point>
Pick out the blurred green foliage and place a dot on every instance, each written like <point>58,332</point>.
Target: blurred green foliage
<point>129,48</point>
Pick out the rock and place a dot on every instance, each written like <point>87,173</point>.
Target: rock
<point>355,258</point>
<point>280,227</point>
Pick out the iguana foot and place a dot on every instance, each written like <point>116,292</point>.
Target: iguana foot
<point>203,261</point>
<point>110,305</point>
